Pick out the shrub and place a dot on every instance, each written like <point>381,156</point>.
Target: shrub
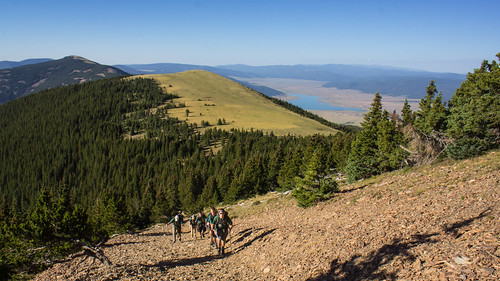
<point>466,148</point>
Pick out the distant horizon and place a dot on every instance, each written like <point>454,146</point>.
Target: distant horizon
<point>255,65</point>
<point>449,36</point>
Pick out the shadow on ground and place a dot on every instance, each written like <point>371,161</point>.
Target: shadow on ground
<point>369,267</point>
<point>164,265</point>
<point>248,243</point>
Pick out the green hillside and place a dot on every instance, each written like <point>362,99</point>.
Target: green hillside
<point>28,79</point>
<point>210,98</point>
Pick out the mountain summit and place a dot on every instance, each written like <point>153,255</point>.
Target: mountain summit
<point>28,79</point>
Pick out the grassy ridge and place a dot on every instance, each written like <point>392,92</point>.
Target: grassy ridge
<point>210,97</point>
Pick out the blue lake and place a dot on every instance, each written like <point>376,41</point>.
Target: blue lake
<point>313,103</point>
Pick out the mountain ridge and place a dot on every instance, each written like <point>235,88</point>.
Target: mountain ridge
<point>31,78</point>
<point>392,81</point>
<point>11,64</point>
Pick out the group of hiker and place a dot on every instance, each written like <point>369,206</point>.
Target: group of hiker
<point>216,224</point>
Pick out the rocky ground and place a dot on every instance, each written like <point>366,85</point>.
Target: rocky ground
<point>438,222</point>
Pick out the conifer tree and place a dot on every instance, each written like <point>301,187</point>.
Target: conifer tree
<point>474,107</point>
<point>474,120</point>
<point>389,137</point>
<point>313,186</point>
<point>423,114</point>
<point>438,115</point>
<point>290,169</point>
<point>40,219</point>
<point>408,116</point>
<point>363,161</point>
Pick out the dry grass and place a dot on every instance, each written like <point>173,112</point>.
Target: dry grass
<point>210,97</point>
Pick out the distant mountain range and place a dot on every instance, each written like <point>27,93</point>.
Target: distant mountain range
<point>11,64</point>
<point>34,76</point>
<point>369,79</point>
<point>29,76</point>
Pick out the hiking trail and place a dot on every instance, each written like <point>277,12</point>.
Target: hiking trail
<point>439,222</point>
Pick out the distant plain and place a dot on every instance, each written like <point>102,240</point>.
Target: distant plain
<point>334,97</point>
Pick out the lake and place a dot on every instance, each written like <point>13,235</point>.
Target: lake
<point>313,103</point>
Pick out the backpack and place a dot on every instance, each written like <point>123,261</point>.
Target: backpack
<point>221,223</point>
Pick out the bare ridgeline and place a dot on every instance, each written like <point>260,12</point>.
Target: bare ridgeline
<point>438,222</point>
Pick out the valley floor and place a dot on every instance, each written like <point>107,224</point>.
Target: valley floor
<point>438,222</point>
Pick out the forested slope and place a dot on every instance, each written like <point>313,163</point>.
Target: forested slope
<point>71,166</point>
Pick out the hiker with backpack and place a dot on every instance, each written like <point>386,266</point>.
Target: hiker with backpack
<point>192,225</point>
<point>176,222</point>
<point>200,224</point>
<point>222,226</point>
<point>210,222</point>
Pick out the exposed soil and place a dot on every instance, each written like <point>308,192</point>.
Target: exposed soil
<point>438,222</point>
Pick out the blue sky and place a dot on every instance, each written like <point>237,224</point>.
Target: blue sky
<point>444,36</point>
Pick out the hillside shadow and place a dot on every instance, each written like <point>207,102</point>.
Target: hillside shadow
<point>245,233</point>
<point>352,189</point>
<point>369,267</point>
<point>156,234</point>
<point>106,245</point>
<point>164,265</point>
<point>248,243</point>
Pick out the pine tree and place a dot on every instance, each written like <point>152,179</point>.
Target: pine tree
<point>423,114</point>
<point>439,114</point>
<point>313,186</point>
<point>408,116</point>
<point>40,219</point>
<point>474,119</point>
<point>390,155</point>
<point>362,161</point>
<point>475,107</point>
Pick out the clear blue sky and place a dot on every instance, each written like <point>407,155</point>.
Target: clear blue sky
<point>445,36</point>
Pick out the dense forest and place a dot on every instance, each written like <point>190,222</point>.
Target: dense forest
<point>80,163</point>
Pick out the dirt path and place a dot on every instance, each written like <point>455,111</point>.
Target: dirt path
<point>434,223</point>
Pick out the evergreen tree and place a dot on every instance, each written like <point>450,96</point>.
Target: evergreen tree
<point>475,107</point>
<point>438,114</point>
<point>408,116</point>
<point>313,186</point>
<point>40,219</point>
<point>363,158</point>
<point>290,170</point>
<point>423,114</point>
<point>390,155</point>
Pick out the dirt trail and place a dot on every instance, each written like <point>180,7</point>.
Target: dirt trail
<point>433,223</point>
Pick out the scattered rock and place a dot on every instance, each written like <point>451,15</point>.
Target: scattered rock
<point>448,234</point>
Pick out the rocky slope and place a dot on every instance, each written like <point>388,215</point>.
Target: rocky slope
<point>438,222</point>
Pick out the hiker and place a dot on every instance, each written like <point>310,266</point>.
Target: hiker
<point>222,225</point>
<point>176,222</point>
<point>210,221</point>
<point>200,224</point>
<point>192,225</point>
